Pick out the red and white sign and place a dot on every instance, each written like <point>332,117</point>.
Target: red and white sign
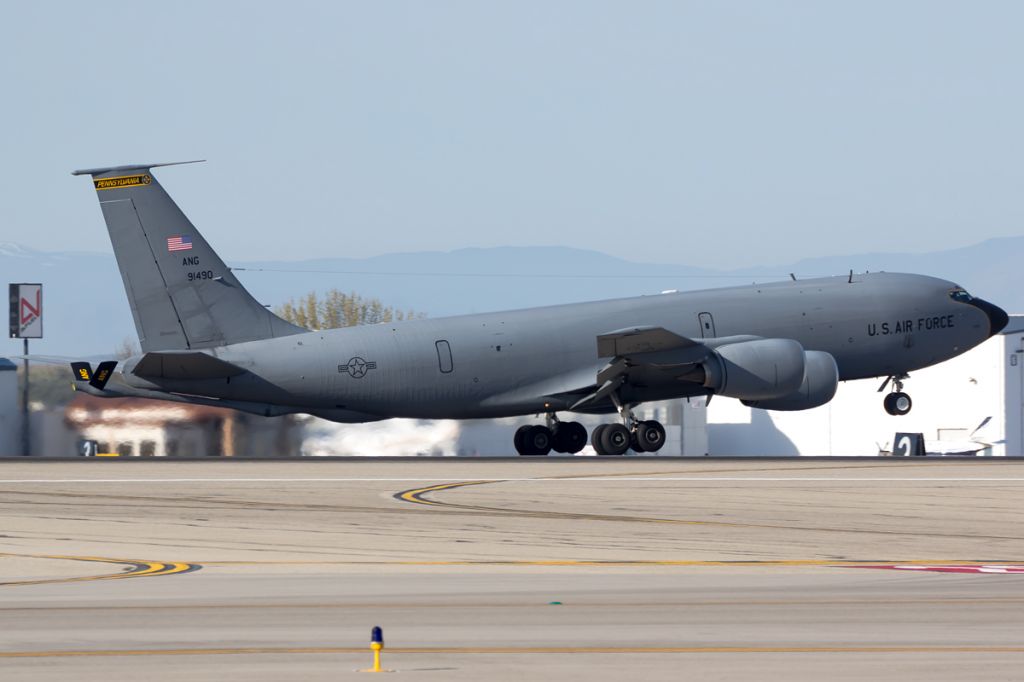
<point>953,568</point>
<point>26,314</point>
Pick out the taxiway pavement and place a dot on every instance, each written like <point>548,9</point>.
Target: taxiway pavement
<point>557,569</point>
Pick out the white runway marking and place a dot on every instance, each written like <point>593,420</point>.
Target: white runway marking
<point>570,479</point>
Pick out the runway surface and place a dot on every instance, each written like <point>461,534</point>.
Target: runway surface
<point>558,569</point>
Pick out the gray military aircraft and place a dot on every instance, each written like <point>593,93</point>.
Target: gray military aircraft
<point>779,346</point>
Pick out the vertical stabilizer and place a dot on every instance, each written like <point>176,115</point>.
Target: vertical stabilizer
<point>181,294</point>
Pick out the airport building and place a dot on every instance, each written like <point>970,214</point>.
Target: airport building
<point>10,414</point>
<point>140,427</point>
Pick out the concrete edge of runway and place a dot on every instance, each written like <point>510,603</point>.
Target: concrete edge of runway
<point>515,458</point>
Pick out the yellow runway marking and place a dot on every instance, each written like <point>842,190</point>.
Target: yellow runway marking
<point>613,562</point>
<point>418,496</point>
<point>908,649</point>
<point>136,569</point>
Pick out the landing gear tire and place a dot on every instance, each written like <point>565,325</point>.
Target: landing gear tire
<point>518,439</point>
<point>614,440</point>
<point>898,404</point>
<point>595,438</point>
<point>650,436</point>
<point>569,437</point>
<point>533,441</point>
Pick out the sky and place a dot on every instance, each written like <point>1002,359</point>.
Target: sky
<point>719,134</point>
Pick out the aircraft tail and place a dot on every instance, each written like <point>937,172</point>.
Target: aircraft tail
<point>181,294</point>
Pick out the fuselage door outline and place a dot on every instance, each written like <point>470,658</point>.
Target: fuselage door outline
<point>444,357</point>
<point>707,326</point>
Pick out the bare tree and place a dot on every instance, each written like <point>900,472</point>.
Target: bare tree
<point>127,349</point>
<point>48,384</point>
<point>338,309</point>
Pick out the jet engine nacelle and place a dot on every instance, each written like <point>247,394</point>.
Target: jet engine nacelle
<point>821,378</point>
<point>761,369</point>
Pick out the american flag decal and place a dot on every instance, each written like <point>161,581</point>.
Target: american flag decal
<point>179,243</point>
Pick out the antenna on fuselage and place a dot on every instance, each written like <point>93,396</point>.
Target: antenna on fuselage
<point>792,276</point>
<point>850,281</point>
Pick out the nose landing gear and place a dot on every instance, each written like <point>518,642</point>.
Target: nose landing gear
<point>896,403</point>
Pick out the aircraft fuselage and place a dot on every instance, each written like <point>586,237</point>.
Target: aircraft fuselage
<point>502,364</point>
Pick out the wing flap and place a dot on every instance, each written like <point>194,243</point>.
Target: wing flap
<point>625,342</point>
<point>642,358</point>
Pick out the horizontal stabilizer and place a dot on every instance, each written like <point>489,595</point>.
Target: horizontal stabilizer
<point>47,359</point>
<point>138,166</point>
<point>102,374</point>
<point>262,409</point>
<point>184,366</point>
<point>624,342</point>
<point>82,371</point>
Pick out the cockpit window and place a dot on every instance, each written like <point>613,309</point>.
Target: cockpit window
<point>959,294</point>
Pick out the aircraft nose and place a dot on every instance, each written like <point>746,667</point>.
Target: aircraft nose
<point>997,317</point>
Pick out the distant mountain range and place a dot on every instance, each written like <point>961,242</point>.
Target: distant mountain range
<point>86,312</point>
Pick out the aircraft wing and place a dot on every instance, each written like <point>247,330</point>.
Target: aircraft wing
<point>634,340</point>
<point>647,360</point>
<point>629,349</point>
<point>184,365</point>
<point>563,389</point>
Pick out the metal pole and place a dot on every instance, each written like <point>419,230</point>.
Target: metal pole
<point>26,444</point>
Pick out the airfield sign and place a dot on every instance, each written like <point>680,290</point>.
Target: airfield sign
<point>26,311</point>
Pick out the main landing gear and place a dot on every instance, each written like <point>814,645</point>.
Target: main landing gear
<point>607,439</point>
<point>640,436</point>
<point>615,439</point>
<point>896,403</point>
<point>538,440</point>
